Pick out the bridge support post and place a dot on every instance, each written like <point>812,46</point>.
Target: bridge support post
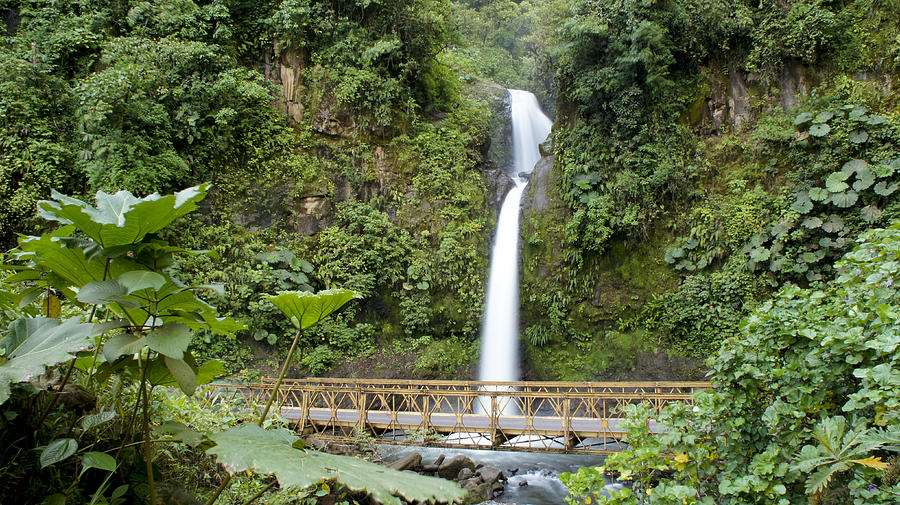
<point>494,421</point>
<point>363,409</point>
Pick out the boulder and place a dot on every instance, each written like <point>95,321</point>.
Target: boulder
<point>429,468</point>
<point>439,460</point>
<point>470,483</point>
<point>490,474</point>
<point>409,462</point>
<point>450,468</point>
<point>464,474</point>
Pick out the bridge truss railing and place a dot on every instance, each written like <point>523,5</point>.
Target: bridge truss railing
<point>551,416</point>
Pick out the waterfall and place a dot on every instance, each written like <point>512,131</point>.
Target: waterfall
<point>500,331</point>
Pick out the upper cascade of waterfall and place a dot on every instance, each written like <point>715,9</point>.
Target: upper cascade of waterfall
<point>500,332</point>
<point>530,128</point>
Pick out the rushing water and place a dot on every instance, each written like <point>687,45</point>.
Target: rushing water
<point>533,478</point>
<point>500,331</point>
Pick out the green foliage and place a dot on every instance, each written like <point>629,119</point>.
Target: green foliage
<point>451,357</point>
<point>239,449</point>
<point>305,309</point>
<point>377,57</point>
<point>32,344</point>
<point>804,405</point>
<point>703,311</point>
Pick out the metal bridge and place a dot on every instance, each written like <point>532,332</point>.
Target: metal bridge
<point>564,417</point>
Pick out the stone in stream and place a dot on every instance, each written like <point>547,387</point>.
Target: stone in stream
<point>450,469</point>
<point>439,460</point>
<point>490,474</point>
<point>464,474</point>
<point>470,483</point>
<point>523,483</point>
<point>409,462</point>
<point>429,468</point>
<point>478,493</point>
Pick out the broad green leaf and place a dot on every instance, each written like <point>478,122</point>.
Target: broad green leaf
<point>819,130</point>
<point>121,218</point>
<point>305,309</point>
<point>94,420</point>
<point>858,112</point>
<point>802,205</point>
<point>871,213</point>
<point>32,344</point>
<point>852,166</point>
<point>183,373</point>
<point>803,118</point>
<point>141,279</point>
<point>864,180</point>
<point>835,182</point>
<point>818,194</point>
<point>845,199</point>
<point>104,292</point>
<point>858,136</point>
<point>249,447</point>
<point>100,460</point>
<point>171,340</point>
<point>68,261</point>
<point>57,451</point>
<point>812,223</point>
<point>120,344</point>
<point>179,432</point>
<point>882,188</point>
<point>759,254</point>
<point>210,370</point>
<point>824,116</point>
<point>833,224</point>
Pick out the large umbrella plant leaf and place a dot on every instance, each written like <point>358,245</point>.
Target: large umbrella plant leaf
<point>249,447</point>
<point>305,309</point>
<point>32,344</point>
<point>122,218</point>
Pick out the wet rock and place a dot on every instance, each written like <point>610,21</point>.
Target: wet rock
<point>333,118</point>
<point>409,462</point>
<point>479,493</point>
<point>512,471</point>
<point>470,483</point>
<point>450,468</point>
<point>524,483</point>
<point>438,461</point>
<point>464,474</point>
<point>490,474</point>
<point>537,196</point>
<point>429,468</point>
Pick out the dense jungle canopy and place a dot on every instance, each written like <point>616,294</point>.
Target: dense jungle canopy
<point>699,211</point>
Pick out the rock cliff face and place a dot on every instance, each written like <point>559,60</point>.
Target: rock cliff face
<point>336,134</point>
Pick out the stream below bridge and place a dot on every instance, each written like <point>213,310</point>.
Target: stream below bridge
<point>532,478</point>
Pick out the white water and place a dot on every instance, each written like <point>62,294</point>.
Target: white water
<point>500,331</point>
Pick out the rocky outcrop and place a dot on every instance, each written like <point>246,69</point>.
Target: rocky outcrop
<point>537,195</point>
<point>481,482</point>
<point>333,118</point>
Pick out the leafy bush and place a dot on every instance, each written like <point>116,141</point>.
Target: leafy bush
<point>804,406</point>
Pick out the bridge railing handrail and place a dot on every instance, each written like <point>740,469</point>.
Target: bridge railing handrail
<point>478,384</point>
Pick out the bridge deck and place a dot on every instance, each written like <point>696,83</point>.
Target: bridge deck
<point>557,417</point>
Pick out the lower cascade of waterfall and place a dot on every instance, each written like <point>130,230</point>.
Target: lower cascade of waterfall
<point>500,332</point>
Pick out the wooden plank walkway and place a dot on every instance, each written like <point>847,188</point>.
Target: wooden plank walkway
<point>567,417</point>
